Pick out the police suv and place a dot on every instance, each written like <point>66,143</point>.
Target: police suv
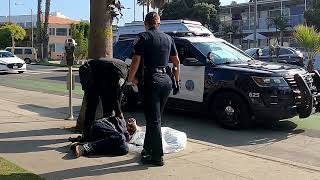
<point>225,82</point>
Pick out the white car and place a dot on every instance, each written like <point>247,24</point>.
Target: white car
<point>11,63</point>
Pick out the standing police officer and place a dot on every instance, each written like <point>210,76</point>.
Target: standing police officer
<point>152,51</point>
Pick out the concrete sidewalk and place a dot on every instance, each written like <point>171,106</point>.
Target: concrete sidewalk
<point>33,135</point>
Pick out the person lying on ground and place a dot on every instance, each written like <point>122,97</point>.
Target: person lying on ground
<point>107,136</point>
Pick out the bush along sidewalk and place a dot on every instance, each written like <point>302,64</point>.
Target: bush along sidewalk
<point>10,171</point>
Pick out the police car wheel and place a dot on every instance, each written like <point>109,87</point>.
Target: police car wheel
<point>231,111</point>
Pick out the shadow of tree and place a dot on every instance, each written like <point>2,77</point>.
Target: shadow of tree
<point>97,170</point>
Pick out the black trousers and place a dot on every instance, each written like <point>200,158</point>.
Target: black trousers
<point>157,87</point>
<point>104,139</point>
<point>110,94</point>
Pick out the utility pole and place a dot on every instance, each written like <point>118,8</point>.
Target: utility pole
<point>134,10</point>
<point>9,10</point>
<point>255,24</point>
<point>31,28</point>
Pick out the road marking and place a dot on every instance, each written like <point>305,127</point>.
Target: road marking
<point>37,72</point>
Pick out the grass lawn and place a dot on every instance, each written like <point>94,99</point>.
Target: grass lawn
<point>10,171</point>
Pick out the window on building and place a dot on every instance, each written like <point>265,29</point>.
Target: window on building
<point>70,32</point>
<point>27,51</point>
<point>18,51</point>
<point>52,48</point>
<point>52,31</point>
<point>59,48</point>
<point>61,32</point>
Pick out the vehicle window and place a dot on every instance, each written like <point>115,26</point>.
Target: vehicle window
<point>222,52</point>
<point>251,52</point>
<point>284,51</point>
<point>17,51</point>
<point>8,49</point>
<point>27,51</point>
<point>184,52</point>
<point>266,52</point>
<point>6,54</point>
<point>122,49</point>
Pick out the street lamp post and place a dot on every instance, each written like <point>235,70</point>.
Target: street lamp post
<point>255,23</point>
<point>134,10</point>
<point>31,28</point>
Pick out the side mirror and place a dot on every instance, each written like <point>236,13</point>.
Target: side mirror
<point>191,62</point>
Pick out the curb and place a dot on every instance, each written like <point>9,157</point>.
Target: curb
<point>260,156</point>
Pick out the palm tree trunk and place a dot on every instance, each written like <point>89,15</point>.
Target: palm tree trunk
<point>45,31</point>
<point>39,28</point>
<point>100,44</point>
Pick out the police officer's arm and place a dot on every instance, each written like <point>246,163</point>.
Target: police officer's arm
<point>138,50</point>
<point>134,68</point>
<point>175,60</point>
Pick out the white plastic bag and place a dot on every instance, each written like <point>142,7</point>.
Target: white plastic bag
<point>172,140</point>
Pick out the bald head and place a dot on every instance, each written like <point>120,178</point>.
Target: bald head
<point>151,20</point>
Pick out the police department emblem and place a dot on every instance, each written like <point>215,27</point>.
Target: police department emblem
<point>189,85</point>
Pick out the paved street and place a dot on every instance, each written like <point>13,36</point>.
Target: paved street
<point>295,140</point>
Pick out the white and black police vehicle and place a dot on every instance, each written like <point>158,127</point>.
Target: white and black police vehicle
<point>223,81</point>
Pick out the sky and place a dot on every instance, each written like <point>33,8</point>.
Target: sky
<point>75,9</point>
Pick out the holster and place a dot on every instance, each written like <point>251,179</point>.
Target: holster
<point>170,72</point>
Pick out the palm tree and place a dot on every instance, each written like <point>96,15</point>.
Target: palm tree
<point>45,30</point>
<point>281,23</point>
<point>154,3</point>
<point>39,28</point>
<point>309,39</point>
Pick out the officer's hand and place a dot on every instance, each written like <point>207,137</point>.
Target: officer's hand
<point>176,90</point>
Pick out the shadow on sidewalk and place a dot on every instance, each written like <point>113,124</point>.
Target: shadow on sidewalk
<point>97,170</point>
<point>57,113</point>
<point>201,128</point>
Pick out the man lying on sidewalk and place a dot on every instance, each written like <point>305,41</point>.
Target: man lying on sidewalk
<point>107,136</point>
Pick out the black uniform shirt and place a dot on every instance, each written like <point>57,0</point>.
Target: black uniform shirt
<point>155,48</point>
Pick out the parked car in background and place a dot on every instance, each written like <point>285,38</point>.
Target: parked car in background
<point>28,54</point>
<point>11,63</point>
<point>287,55</point>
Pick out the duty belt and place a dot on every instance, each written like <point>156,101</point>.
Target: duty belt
<point>155,70</point>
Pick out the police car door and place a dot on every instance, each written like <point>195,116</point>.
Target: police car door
<point>192,77</point>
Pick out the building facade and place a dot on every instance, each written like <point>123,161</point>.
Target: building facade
<point>59,30</point>
<point>240,18</point>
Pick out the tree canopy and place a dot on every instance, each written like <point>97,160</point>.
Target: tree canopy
<point>6,32</point>
<point>204,11</point>
<point>312,15</point>
<point>80,32</point>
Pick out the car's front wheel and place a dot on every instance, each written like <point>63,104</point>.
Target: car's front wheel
<point>231,111</point>
<point>27,60</point>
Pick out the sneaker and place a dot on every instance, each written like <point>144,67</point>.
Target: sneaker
<point>147,159</point>
<point>79,150</point>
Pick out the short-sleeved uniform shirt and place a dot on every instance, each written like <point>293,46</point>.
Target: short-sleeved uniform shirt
<point>155,48</point>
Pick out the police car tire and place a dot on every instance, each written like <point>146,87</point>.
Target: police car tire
<point>229,99</point>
